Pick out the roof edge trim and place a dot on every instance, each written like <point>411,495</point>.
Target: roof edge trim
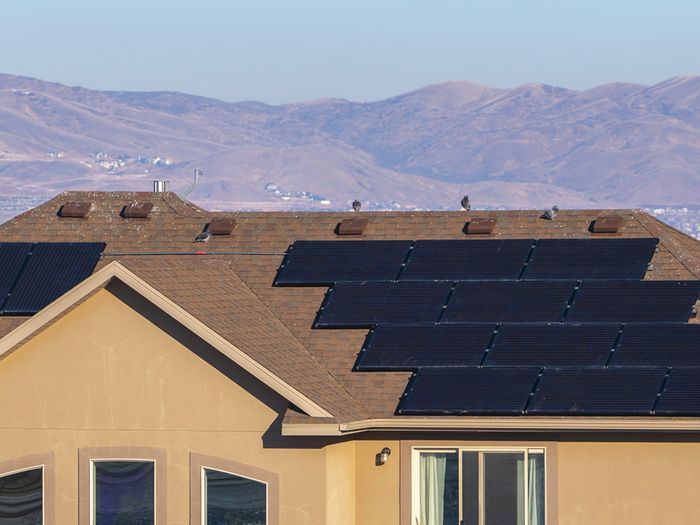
<point>116,270</point>
<point>488,424</point>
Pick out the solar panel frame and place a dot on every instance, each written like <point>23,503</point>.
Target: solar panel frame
<point>408,347</point>
<point>13,256</point>
<point>671,345</point>
<point>51,270</point>
<point>681,397</point>
<point>553,345</point>
<point>508,301</point>
<point>366,304</point>
<point>456,260</point>
<point>634,301</point>
<point>597,391</point>
<point>591,258</point>
<point>322,263</point>
<point>469,391</point>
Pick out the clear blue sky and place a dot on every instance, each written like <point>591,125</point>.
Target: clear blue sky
<point>290,50</point>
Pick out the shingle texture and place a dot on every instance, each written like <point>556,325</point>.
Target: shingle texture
<point>233,293</point>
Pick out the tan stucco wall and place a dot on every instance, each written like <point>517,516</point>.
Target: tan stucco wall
<point>631,483</point>
<point>107,375</point>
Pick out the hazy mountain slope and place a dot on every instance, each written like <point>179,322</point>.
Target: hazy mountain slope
<point>622,144</point>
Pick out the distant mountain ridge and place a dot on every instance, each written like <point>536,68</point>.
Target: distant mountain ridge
<point>531,146</point>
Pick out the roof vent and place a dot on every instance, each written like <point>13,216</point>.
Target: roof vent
<point>160,186</point>
<point>607,224</point>
<point>137,210</point>
<point>221,226</point>
<point>75,209</point>
<point>352,226</point>
<point>480,226</point>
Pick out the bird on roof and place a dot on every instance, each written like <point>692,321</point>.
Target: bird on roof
<point>465,203</point>
<point>551,214</point>
<point>356,205</point>
<point>203,237</point>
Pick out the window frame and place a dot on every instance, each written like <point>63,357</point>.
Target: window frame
<point>86,482</point>
<point>200,462</point>
<point>46,463</point>
<point>410,451</point>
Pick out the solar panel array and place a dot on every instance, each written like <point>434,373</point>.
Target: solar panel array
<point>35,274</point>
<point>505,327</point>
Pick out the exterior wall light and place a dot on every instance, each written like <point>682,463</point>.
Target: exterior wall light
<point>383,456</point>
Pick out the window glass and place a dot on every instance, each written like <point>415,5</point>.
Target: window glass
<point>439,488</point>
<point>232,499</point>
<point>504,489</point>
<point>535,484</point>
<point>21,498</point>
<point>124,493</point>
<point>470,488</point>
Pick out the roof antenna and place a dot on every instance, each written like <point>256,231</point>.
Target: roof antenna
<point>197,174</point>
<point>465,203</point>
<point>550,215</point>
<point>356,205</point>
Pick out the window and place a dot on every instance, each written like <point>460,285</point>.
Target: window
<point>123,492</point>
<point>223,492</point>
<point>22,497</point>
<point>464,486</point>
<point>233,499</point>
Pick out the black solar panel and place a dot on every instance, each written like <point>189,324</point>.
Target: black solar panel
<point>327,262</point>
<point>659,345</point>
<point>469,391</point>
<point>370,303</point>
<point>552,345</point>
<point>495,301</point>
<point>590,258</point>
<point>629,301</point>
<point>682,394</point>
<point>393,347</point>
<point>52,270</point>
<point>465,260</point>
<point>597,392</point>
<point>12,258</point>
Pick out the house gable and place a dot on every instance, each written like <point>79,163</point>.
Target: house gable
<point>118,362</point>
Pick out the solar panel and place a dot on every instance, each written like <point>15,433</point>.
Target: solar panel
<point>552,345</point>
<point>371,303</point>
<point>597,392</point>
<point>629,301</point>
<point>52,270</point>
<point>496,301</point>
<point>409,347</point>
<point>659,345</point>
<point>465,260</point>
<point>326,262</point>
<point>469,391</point>
<point>682,394</point>
<point>590,258</point>
<point>12,258</point>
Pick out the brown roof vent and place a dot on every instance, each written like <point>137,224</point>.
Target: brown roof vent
<point>137,210</point>
<point>75,209</point>
<point>221,226</point>
<point>607,224</point>
<point>352,226</point>
<point>480,226</point>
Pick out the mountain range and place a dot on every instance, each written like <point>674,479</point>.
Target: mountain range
<point>532,146</point>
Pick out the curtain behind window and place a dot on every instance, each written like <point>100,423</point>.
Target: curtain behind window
<point>439,489</point>
<point>535,482</point>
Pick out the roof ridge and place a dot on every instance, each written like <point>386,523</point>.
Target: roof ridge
<point>289,331</point>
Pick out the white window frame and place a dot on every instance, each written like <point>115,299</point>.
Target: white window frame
<point>203,478</point>
<point>415,478</point>
<point>43,484</point>
<point>93,488</point>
